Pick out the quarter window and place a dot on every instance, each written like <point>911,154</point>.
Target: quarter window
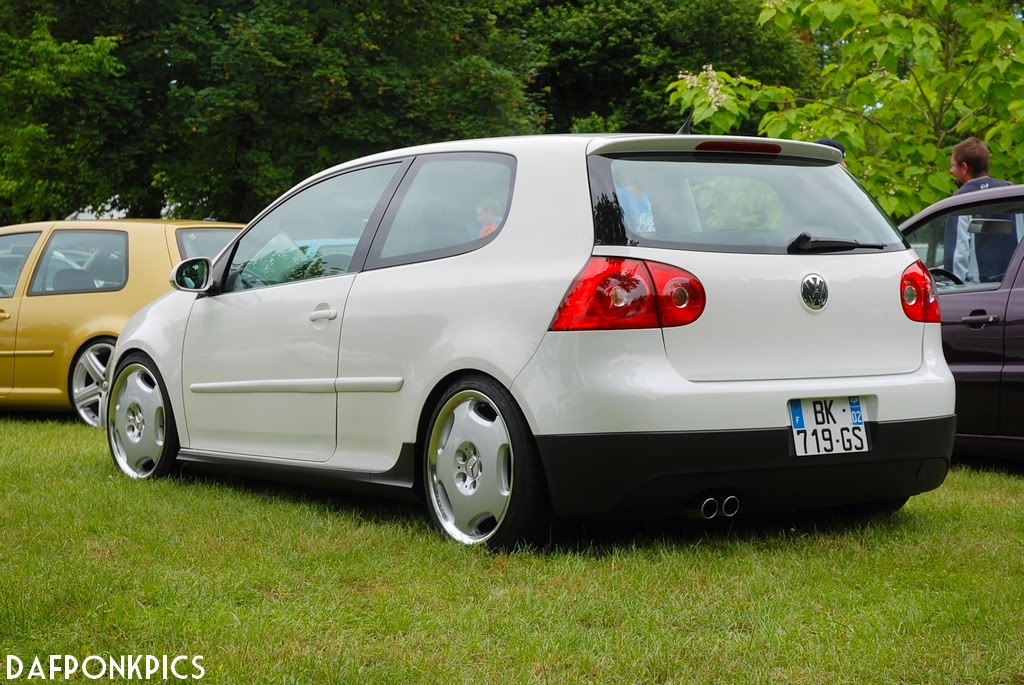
<point>448,204</point>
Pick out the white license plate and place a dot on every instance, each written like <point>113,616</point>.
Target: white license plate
<point>828,425</point>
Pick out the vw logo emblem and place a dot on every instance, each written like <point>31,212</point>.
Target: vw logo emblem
<point>814,290</point>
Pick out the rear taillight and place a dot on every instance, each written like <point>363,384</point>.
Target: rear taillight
<point>618,293</point>
<point>917,294</point>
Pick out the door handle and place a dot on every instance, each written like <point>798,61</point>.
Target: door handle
<point>979,320</point>
<point>321,314</point>
<point>4,315</point>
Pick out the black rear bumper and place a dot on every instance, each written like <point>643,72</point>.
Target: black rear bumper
<point>655,475</point>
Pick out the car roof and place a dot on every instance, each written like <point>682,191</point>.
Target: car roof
<point>1010,194</point>
<point>118,224</point>
<point>599,143</point>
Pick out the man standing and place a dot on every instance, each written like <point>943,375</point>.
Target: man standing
<point>974,257</point>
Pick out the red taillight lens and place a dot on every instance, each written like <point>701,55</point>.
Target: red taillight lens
<point>681,296</point>
<point>917,294</point>
<point>617,293</point>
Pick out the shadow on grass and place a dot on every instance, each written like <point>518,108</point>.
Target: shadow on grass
<point>40,416</point>
<point>604,537</point>
<point>592,538</point>
<point>369,507</point>
<point>1001,465</point>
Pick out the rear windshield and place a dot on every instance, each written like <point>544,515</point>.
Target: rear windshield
<point>205,242</point>
<point>733,203</point>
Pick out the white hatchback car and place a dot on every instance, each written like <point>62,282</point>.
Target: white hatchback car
<point>580,326</point>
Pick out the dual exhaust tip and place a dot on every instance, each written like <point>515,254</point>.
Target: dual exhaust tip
<point>710,507</point>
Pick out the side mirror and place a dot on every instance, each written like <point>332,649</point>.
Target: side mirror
<point>192,275</point>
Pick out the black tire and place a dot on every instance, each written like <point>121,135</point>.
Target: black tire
<point>481,471</point>
<point>141,432</point>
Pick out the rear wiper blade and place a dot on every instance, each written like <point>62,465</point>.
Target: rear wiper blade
<point>805,242</point>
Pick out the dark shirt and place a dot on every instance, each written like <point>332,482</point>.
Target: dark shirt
<point>993,251</point>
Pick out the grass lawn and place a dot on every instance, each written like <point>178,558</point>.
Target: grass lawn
<point>276,585</point>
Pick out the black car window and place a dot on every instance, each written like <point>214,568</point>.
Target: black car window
<point>448,204</point>
<point>969,249</point>
<point>14,249</point>
<point>733,203</point>
<point>312,234</point>
<point>78,261</point>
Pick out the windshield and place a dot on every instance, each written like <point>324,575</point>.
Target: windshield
<point>736,203</point>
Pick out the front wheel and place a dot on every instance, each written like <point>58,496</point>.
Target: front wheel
<point>482,473</point>
<point>140,422</point>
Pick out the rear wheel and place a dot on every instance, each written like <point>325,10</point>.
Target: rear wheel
<point>140,423</point>
<point>88,373</point>
<point>482,472</point>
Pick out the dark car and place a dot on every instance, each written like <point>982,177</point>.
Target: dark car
<point>971,245</point>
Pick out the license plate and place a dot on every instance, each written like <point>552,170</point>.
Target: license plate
<point>828,425</point>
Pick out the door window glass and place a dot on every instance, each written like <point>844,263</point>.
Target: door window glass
<point>14,250</point>
<point>969,250</point>
<point>82,261</point>
<point>311,234</point>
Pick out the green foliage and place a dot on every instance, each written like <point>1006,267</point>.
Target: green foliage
<point>280,92</point>
<point>37,74</point>
<point>724,101</point>
<point>217,110</point>
<point>902,82</point>
<point>605,64</point>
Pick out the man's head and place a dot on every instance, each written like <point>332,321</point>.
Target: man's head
<point>833,143</point>
<point>970,160</point>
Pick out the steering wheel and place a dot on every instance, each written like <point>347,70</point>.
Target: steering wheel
<point>948,275</point>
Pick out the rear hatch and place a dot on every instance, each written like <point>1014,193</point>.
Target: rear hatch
<point>803,275</point>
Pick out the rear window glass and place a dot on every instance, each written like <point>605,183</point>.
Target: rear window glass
<point>206,242</point>
<point>732,203</point>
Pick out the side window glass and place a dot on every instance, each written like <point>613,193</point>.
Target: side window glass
<point>82,261</point>
<point>969,251</point>
<point>311,234</point>
<point>448,205</point>
<point>14,251</point>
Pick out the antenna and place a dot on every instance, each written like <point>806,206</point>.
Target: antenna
<point>684,130</point>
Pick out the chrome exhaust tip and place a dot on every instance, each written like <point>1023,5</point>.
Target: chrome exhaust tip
<point>730,506</point>
<point>709,508</point>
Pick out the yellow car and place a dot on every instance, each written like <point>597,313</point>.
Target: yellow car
<point>66,290</point>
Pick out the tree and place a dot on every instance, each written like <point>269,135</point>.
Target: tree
<point>41,165</point>
<point>605,64</point>
<point>902,82</point>
<point>218,110</point>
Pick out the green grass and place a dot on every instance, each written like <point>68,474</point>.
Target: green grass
<point>277,585</point>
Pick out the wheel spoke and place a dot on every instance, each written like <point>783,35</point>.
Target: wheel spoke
<point>94,368</point>
<point>88,395</point>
